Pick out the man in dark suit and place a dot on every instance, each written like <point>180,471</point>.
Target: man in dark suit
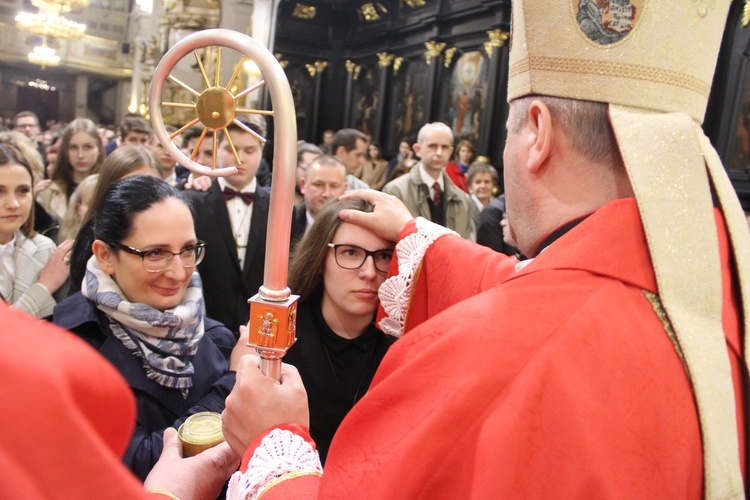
<point>232,217</point>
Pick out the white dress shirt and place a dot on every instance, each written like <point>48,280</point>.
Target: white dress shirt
<point>240,215</point>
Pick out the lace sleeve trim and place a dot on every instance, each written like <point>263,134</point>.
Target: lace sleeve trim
<point>395,292</point>
<point>281,455</point>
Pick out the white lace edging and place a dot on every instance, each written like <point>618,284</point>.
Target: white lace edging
<point>395,292</point>
<point>281,452</point>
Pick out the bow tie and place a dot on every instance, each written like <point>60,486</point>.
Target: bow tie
<point>228,194</point>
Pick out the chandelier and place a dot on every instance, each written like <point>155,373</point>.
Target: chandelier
<point>60,6</point>
<point>43,55</point>
<point>50,25</point>
<point>48,21</point>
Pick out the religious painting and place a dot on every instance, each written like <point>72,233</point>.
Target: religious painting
<point>463,100</point>
<point>366,97</point>
<point>409,109</point>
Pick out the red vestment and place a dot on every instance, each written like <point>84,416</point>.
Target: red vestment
<point>67,416</point>
<point>457,176</point>
<point>558,381</point>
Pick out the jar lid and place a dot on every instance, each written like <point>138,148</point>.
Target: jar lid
<point>202,428</point>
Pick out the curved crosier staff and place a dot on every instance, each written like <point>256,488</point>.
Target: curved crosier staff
<point>273,310</point>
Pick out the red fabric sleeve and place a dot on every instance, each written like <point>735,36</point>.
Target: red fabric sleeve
<point>68,416</point>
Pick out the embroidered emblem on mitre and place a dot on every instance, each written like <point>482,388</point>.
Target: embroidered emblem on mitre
<point>607,21</point>
<point>657,55</point>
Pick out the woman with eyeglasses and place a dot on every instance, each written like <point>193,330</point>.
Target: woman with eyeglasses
<point>141,306</point>
<point>337,270</point>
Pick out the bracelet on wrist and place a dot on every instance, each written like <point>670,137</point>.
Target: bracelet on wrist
<point>165,493</point>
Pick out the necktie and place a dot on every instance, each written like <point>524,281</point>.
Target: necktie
<point>438,198</point>
<point>228,194</point>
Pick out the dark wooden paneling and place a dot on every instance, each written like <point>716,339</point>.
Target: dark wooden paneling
<point>396,104</point>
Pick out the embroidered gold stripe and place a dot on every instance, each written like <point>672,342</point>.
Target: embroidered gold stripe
<point>608,68</point>
<point>289,475</point>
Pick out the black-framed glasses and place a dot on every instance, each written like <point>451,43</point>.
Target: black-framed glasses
<point>353,257</point>
<point>158,260</point>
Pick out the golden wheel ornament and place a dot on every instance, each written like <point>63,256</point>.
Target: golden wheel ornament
<point>273,310</point>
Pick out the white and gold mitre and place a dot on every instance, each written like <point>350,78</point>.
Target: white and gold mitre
<point>652,62</point>
<point>649,54</point>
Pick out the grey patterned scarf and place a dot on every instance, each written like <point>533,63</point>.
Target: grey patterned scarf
<point>166,341</point>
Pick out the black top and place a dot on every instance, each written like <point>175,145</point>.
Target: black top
<point>336,371</point>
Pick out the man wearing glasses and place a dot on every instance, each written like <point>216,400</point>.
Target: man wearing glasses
<point>27,123</point>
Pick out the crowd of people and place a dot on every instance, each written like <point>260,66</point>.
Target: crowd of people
<point>173,324</point>
<point>587,350</point>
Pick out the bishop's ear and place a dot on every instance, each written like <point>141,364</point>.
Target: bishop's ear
<point>105,256</point>
<point>542,130</point>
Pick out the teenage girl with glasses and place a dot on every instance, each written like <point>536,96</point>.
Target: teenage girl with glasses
<point>141,306</point>
<point>337,270</point>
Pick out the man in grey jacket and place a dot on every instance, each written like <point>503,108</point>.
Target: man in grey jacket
<point>427,191</point>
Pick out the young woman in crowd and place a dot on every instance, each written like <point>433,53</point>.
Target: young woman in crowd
<point>125,161</point>
<point>44,223</point>
<point>404,152</point>
<point>141,306</point>
<point>375,167</point>
<point>337,270</point>
<point>31,268</point>
<point>456,170</point>
<point>80,154</point>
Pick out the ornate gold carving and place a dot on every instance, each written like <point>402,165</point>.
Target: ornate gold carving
<point>498,38</point>
<point>187,21</point>
<point>316,67</point>
<point>303,11</point>
<point>268,324</point>
<point>397,62</point>
<point>385,59</point>
<point>350,65</point>
<point>357,69</point>
<point>369,12</point>
<point>291,330</point>
<point>449,53</point>
<point>282,62</point>
<point>415,3</point>
<point>746,14</point>
<point>272,325</point>
<point>433,50</point>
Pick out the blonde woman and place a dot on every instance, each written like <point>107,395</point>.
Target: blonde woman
<point>78,206</point>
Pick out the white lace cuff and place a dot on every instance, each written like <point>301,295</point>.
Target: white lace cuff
<point>395,292</point>
<point>281,453</point>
